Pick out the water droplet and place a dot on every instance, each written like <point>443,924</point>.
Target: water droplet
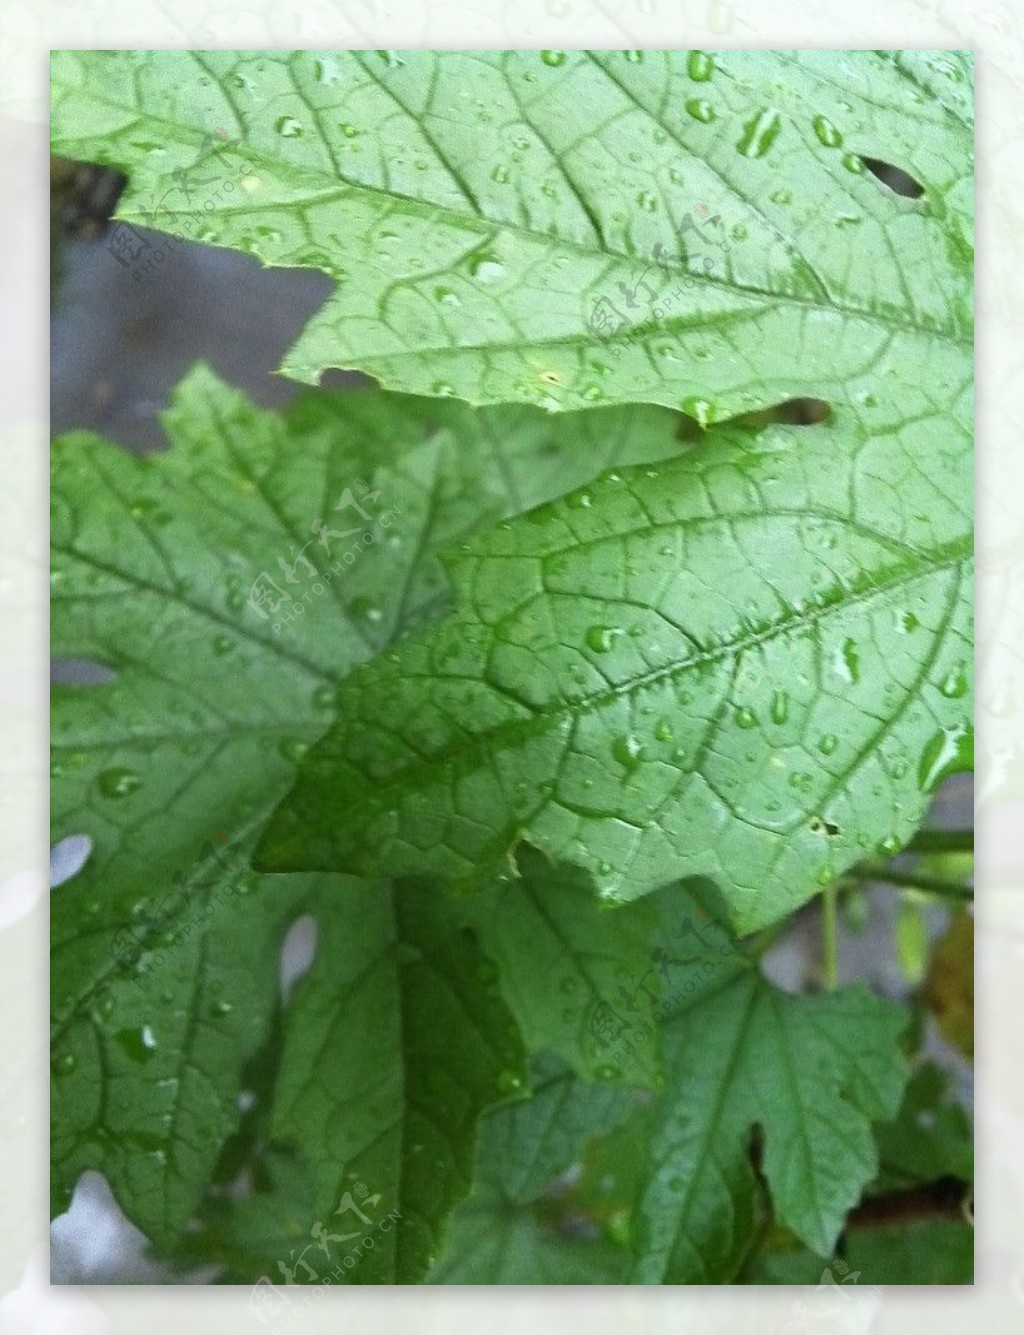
<point>118,782</point>
<point>628,752</point>
<point>325,70</point>
<point>634,57</point>
<point>663,731</point>
<point>827,132</point>
<point>484,266</point>
<point>852,163</point>
<point>500,175</point>
<point>601,639</point>
<point>700,410</point>
<point>956,684</point>
<point>138,1044</point>
<point>949,751</point>
<point>553,58</point>
<point>780,707</point>
<point>579,500</point>
<point>906,622</point>
<point>391,58</point>
<point>827,743</point>
<point>606,1072</point>
<point>221,644</point>
<point>701,110</point>
<point>509,1082</point>
<point>700,66</point>
<point>293,749</point>
<point>349,131</point>
<point>65,1063</point>
<point>847,662</point>
<point>746,718</point>
<point>759,134</point>
<point>288,127</point>
<point>323,697</point>
<point>220,1008</point>
<point>781,196</point>
<point>647,201</point>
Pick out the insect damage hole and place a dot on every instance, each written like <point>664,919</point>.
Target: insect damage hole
<point>821,826</point>
<point>894,178</point>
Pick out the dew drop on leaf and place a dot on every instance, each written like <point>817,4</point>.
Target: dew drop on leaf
<point>701,110</point>
<point>288,127</point>
<point>827,132</point>
<point>118,782</point>
<point>700,66</point>
<point>601,639</point>
<point>759,134</point>
<point>553,58</point>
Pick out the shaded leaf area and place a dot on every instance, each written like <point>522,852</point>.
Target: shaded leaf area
<point>521,1226</point>
<point>165,946</point>
<point>709,230</point>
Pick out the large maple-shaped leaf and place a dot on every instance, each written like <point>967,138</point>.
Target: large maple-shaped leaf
<point>682,227</point>
<point>164,977</point>
<point>812,1073</point>
<point>751,663</point>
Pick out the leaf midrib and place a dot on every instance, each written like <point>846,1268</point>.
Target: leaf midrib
<point>540,718</point>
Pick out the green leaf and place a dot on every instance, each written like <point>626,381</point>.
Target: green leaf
<point>914,1251</point>
<point>397,1040</point>
<point>688,228</point>
<point>496,1241</point>
<point>196,738</point>
<point>751,663</point>
<point>525,1145</point>
<point>931,1138</point>
<point>506,1234</point>
<point>560,953</point>
<point>811,1072</point>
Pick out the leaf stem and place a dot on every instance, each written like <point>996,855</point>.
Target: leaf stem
<point>830,962</point>
<point>941,841</point>
<point>933,885</point>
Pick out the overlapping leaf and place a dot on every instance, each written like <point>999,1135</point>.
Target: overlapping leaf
<point>163,977</point>
<point>561,954</point>
<point>751,663</point>
<point>683,227</point>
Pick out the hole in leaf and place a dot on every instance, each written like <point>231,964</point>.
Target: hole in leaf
<point>895,178</point>
<point>821,826</point>
<point>298,950</point>
<point>80,672</point>
<point>792,412</point>
<point>68,857</point>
